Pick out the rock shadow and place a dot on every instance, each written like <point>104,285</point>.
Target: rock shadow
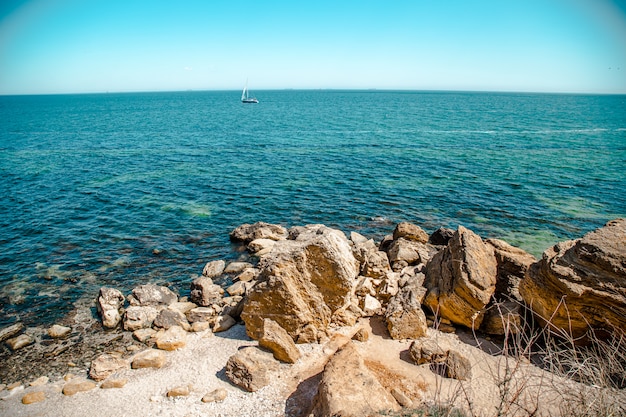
<point>300,403</point>
<point>379,327</point>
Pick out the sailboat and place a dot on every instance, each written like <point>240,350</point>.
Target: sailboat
<point>244,96</point>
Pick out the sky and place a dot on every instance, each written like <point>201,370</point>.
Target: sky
<point>80,46</point>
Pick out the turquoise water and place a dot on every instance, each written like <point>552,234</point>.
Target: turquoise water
<point>92,184</point>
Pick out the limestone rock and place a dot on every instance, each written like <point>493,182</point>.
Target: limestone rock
<point>200,326</point>
<point>42,380</point>
<point>371,306</point>
<point>410,231</point>
<point>105,365</point>
<point>223,323</point>
<point>181,391</point>
<point>214,269</point>
<point>348,388</point>
<point>237,267</point>
<point>248,274</point>
<point>182,306</point>
<point>216,395</point>
<point>581,283</point>
<point>57,331</point>
<point>302,283</point>
<point>512,266</point>
<point>502,318</point>
<point>149,358</point>
<point>248,232</point>
<point>238,288</point>
<point>458,366</point>
<point>19,342</point>
<point>461,279</point>
<point>138,317</point>
<point>441,236</point>
<point>427,351</point>
<point>250,368</point>
<point>114,383</point>
<point>204,293</point>
<point>143,335</point>
<point>361,335</point>
<point>200,314</point>
<point>171,339</point>
<point>405,317</point>
<point>77,385</point>
<point>10,331</point>
<point>152,295</point>
<point>261,247</point>
<point>108,305</point>
<point>277,340</point>
<point>409,251</point>
<point>375,264</point>
<point>401,397</point>
<point>168,318</point>
<point>33,397</point>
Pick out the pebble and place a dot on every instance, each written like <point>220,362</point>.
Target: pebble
<point>114,383</point>
<point>69,377</point>
<point>19,342</point>
<point>215,396</point>
<point>14,385</point>
<point>71,364</point>
<point>33,397</point>
<point>42,380</point>
<point>57,331</point>
<point>181,391</point>
<point>78,385</point>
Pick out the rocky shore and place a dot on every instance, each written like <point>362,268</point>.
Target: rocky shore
<point>320,323</point>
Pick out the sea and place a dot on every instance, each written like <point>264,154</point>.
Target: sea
<point>126,189</point>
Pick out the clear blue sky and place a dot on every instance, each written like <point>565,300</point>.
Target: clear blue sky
<point>67,46</point>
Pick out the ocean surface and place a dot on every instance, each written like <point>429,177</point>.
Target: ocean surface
<point>125,189</point>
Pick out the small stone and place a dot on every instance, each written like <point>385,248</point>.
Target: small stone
<point>215,396</point>
<point>114,383</point>
<point>362,335</point>
<point>57,331</point>
<point>68,377</point>
<point>2,386</point>
<point>33,397</point>
<point>237,267</point>
<point>105,365</point>
<point>19,342</point>
<point>71,364</point>
<point>143,334</point>
<point>78,385</point>
<point>182,391</point>
<point>173,338</point>
<point>200,326</point>
<point>278,341</point>
<point>150,358</point>
<point>214,269</point>
<point>238,288</point>
<point>42,380</point>
<point>14,385</point>
<point>223,323</point>
<point>182,306</point>
<point>247,275</point>
<point>10,331</point>
<point>401,398</point>
<point>200,314</point>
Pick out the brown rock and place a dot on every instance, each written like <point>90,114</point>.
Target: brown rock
<point>401,397</point>
<point>42,380</point>
<point>114,383</point>
<point>108,305</point>
<point>214,269</point>
<point>427,351</point>
<point>348,388</point>
<point>461,279</point>
<point>139,317</point>
<point>217,395</point>
<point>375,264</point>
<point>168,318</point>
<point>248,232</point>
<point>223,323</point>
<point>441,236</point>
<point>171,339</point>
<point>512,264</point>
<point>200,326</point>
<point>152,295</point>
<point>502,318</point>
<point>409,251</point>
<point>200,314</point>
<point>58,331</point>
<point>238,288</point>
<point>277,340</point>
<point>362,335</point>
<point>581,283</point>
<point>105,365</point>
<point>33,397</point>
<point>10,331</point>
<point>77,385</point>
<point>237,267</point>
<point>149,358</point>
<point>143,335</point>
<point>204,293</point>
<point>19,342</point>
<point>182,391</point>
<point>410,231</point>
<point>405,317</point>
<point>250,368</point>
<point>248,274</point>
<point>302,283</point>
<point>458,366</point>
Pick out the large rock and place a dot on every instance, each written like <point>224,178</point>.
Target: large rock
<point>349,388</point>
<point>149,358</point>
<point>277,340</point>
<point>250,368</point>
<point>171,339</point>
<point>503,318</point>
<point>108,304</point>
<point>512,266</point>
<point>410,231</point>
<point>375,264</point>
<point>248,232</point>
<point>302,283</point>
<point>19,342</point>
<point>410,251</point>
<point>168,318</point>
<point>461,279</point>
<point>152,295</point>
<point>214,269</point>
<point>405,317</point>
<point>105,365</point>
<point>204,293</point>
<point>581,283</point>
<point>137,317</point>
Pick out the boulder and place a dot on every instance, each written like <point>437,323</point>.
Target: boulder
<point>204,293</point>
<point>581,284</point>
<point>108,305</point>
<point>168,318</point>
<point>410,231</point>
<point>213,269</point>
<point>409,251</point>
<point>105,365</point>
<point>502,318</point>
<point>405,317</point>
<point>302,283</point>
<point>57,331</point>
<point>248,274</point>
<point>512,264</point>
<point>246,233</point>
<point>137,317</point>
<point>238,288</point>
<point>152,295</point>
<point>171,339</point>
<point>461,279</point>
<point>149,358</point>
<point>441,236</point>
<point>237,267</point>
<point>375,264</point>
<point>371,306</point>
<point>427,351</point>
<point>143,335</point>
<point>250,368</point>
<point>458,366</point>
<point>182,306</point>
<point>349,388</point>
<point>277,340</point>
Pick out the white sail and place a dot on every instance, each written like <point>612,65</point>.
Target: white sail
<point>244,93</point>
